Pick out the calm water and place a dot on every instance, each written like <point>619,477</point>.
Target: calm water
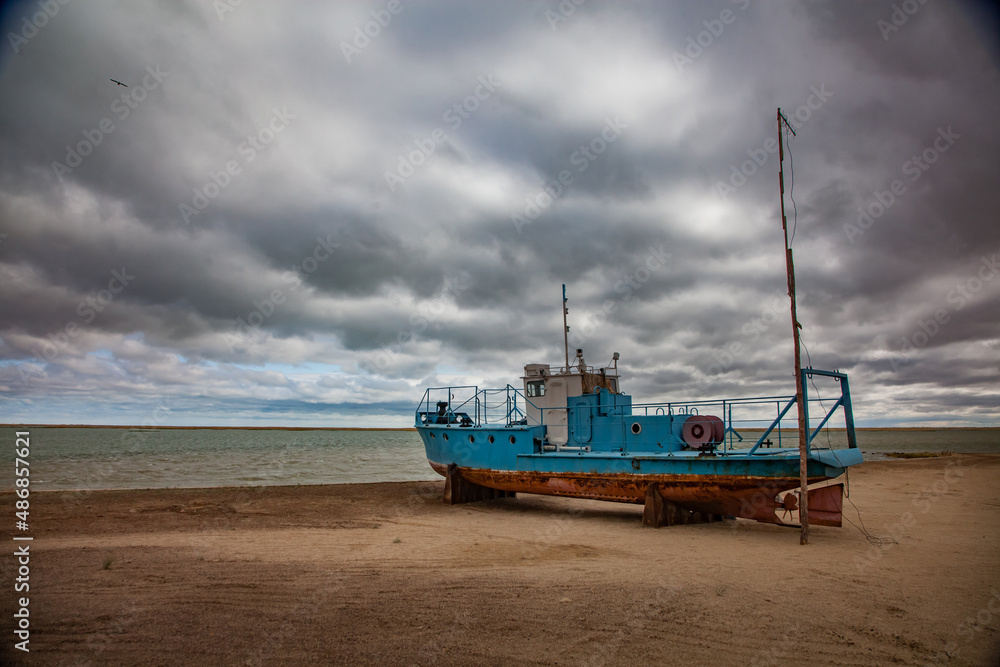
<point>103,458</point>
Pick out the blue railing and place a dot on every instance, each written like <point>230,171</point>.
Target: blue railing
<point>751,414</point>
<point>468,405</point>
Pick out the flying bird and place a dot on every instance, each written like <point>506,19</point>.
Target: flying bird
<point>119,83</point>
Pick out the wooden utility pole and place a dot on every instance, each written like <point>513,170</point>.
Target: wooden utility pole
<point>565,327</point>
<point>800,399</point>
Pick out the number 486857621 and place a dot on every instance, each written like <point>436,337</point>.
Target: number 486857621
<point>21,470</point>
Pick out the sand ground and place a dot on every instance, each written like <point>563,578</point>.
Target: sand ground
<point>388,574</point>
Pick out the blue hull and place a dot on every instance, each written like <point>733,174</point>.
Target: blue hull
<point>612,453</point>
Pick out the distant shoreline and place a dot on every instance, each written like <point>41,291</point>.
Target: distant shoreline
<point>216,428</point>
<point>410,428</point>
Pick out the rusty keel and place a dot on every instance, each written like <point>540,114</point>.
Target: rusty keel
<point>459,490</point>
<point>682,498</point>
<point>658,511</point>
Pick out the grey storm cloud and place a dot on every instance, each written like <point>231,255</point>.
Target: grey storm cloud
<point>306,213</point>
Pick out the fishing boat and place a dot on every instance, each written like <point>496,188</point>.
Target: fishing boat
<point>571,431</point>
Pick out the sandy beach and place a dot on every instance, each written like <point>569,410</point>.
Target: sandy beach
<point>388,574</point>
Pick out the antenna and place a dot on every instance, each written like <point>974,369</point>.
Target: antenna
<point>790,270</point>
<point>565,326</point>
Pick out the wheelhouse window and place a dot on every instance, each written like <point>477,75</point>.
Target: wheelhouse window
<point>536,388</point>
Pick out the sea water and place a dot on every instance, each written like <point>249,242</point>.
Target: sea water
<point>115,458</point>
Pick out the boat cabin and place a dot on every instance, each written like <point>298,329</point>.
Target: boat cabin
<point>551,390</point>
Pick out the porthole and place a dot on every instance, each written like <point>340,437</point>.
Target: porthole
<point>433,436</point>
<point>445,436</point>
<point>512,441</point>
<point>490,439</point>
<point>636,428</point>
<point>472,438</point>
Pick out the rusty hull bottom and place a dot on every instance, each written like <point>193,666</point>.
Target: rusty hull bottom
<point>457,489</point>
<point>732,495</point>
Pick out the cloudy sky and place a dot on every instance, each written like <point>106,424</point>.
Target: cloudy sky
<point>305,213</point>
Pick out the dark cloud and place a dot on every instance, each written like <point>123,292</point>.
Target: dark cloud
<point>314,237</point>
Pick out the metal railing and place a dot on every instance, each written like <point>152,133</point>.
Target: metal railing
<point>480,407</point>
<point>468,405</point>
<point>574,369</point>
<point>782,423</point>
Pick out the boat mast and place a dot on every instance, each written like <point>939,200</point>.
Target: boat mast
<point>565,327</point>
<point>800,399</point>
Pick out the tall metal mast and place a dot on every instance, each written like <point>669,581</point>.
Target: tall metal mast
<point>565,327</point>
<point>790,270</point>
